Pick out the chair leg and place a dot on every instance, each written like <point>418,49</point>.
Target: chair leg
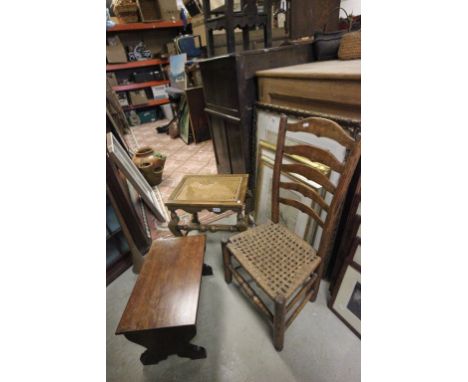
<point>226,261</point>
<point>317,283</point>
<point>279,322</point>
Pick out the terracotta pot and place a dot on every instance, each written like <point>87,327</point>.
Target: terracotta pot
<point>152,175</point>
<point>159,163</point>
<point>144,155</point>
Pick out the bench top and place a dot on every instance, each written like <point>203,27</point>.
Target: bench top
<point>167,290</point>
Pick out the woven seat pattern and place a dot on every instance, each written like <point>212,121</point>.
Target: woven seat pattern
<point>277,259</point>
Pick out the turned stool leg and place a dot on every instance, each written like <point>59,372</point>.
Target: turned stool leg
<point>226,261</point>
<point>279,322</point>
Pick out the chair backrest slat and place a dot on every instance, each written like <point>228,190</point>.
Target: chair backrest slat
<point>310,173</point>
<point>302,207</point>
<point>322,127</point>
<point>308,192</point>
<point>317,155</point>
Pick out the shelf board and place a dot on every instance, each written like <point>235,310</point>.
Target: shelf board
<point>161,24</point>
<point>135,64</point>
<point>141,85</point>
<point>151,102</point>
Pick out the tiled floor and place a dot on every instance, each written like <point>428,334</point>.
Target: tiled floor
<point>182,159</point>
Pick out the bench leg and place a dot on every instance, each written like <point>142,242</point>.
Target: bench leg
<point>207,270</point>
<point>161,343</point>
<point>226,261</point>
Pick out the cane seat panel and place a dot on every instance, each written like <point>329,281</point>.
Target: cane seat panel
<point>278,260</point>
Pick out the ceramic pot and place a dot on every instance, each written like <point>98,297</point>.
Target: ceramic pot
<point>159,163</point>
<point>144,155</point>
<point>153,176</point>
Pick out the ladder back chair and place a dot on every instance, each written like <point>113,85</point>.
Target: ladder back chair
<point>286,268</point>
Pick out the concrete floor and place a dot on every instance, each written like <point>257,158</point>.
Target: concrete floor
<point>318,346</point>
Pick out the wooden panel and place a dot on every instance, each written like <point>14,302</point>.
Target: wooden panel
<point>307,17</point>
<point>315,154</point>
<point>310,173</point>
<point>322,127</point>
<point>302,207</point>
<point>198,118</point>
<point>220,143</point>
<point>308,192</point>
<point>167,289</point>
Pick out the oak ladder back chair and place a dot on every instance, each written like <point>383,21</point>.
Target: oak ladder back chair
<point>287,269</point>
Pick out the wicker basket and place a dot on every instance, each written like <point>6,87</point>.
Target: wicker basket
<point>350,46</point>
<point>126,10</point>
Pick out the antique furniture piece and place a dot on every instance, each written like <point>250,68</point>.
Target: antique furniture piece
<point>304,17</point>
<point>196,108</point>
<point>330,87</point>
<point>161,313</point>
<point>230,93</point>
<point>216,193</point>
<point>287,269</point>
<point>248,17</point>
<point>152,199</point>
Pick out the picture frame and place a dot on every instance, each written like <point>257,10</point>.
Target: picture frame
<point>118,155</point>
<point>346,304</point>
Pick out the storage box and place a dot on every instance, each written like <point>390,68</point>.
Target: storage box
<point>138,97</point>
<point>168,10</point>
<point>115,51</point>
<point>126,10</point>
<point>147,116</point>
<point>159,92</point>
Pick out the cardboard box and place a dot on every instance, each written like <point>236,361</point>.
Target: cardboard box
<point>159,92</point>
<point>198,28</point>
<point>168,10</point>
<point>115,51</point>
<point>138,97</point>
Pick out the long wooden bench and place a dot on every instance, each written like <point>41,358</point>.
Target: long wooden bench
<point>161,313</point>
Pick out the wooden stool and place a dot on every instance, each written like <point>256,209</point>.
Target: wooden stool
<point>162,310</point>
<point>216,193</point>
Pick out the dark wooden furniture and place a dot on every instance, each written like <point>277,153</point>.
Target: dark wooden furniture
<point>308,16</point>
<point>246,19</point>
<point>230,93</point>
<point>216,193</point>
<point>196,107</point>
<point>286,268</point>
<point>330,87</point>
<point>161,313</point>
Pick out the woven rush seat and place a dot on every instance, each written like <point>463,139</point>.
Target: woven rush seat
<point>279,260</point>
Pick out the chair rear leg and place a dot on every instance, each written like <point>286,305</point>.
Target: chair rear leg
<point>279,322</point>
<point>226,261</point>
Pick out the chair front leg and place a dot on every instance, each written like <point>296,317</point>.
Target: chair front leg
<point>226,261</point>
<point>317,283</point>
<point>279,322</point>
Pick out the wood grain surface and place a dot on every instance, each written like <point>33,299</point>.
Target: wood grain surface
<point>167,290</point>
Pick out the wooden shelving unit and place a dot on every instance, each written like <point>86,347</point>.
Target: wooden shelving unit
<point>162,24</point>
<point>135,64</point>
<point>141,85</point>
<point>151,102</point>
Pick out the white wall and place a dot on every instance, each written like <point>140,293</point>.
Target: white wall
<point>351,6</point>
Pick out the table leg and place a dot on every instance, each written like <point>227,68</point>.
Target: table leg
<point>242,221</point>
<point>173,224</point>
